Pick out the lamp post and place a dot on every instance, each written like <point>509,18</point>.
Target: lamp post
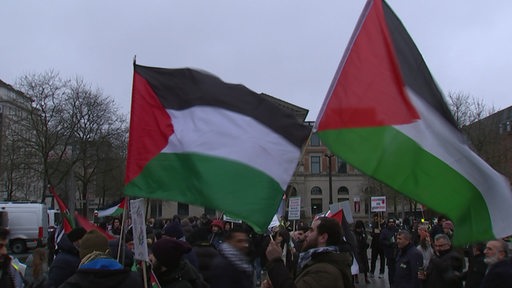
<point>329,155</point>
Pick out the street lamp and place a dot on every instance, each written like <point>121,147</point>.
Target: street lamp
<point>329,155</point>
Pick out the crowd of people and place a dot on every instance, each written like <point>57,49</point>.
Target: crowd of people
<point>203,252</point>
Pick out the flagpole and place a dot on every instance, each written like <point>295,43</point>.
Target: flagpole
<point>121,235</point>
<point>144,274</point>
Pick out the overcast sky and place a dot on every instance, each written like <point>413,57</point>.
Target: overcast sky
<point>289,49</point>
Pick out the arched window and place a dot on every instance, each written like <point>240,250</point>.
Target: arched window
<point>316,191</point>
<point>293,192</point>
<point>343,190</point>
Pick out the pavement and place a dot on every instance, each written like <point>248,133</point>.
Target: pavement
<point>375,282</point>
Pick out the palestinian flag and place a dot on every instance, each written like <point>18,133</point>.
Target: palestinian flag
<point>386,116</point>
<point>68,222</point>
<point>114,211</point>
<point>198,140</point>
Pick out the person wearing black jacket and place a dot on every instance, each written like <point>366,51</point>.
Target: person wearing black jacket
<point>408,262</point>
<point>67,258</point>
<point>388,243</point>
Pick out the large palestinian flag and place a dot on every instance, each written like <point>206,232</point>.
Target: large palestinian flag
<point>386,116</point>
<point>198,140</point>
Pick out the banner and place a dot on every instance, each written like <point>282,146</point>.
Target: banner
<point>379,204</point>
<point>139,229</point>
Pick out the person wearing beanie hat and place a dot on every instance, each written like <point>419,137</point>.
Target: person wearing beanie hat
<point>169,265</point>
<point>67,258</point>
<point>97,269</point>
<point>93,241</point>
<point>217,235</point>
<point>173,230</point>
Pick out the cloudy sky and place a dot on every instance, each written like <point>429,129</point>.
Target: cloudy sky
<point>286,48</point>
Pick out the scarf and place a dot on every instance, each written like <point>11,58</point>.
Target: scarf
<point>236,257</point>
<point>305,257</point>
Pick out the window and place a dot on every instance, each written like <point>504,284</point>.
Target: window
<point>293,192</point>
<point>156,208</point>
<point>342,166</point>
<point>182,209</point>
<point>314,140</point>
<point>342,199</point>
<point>316,206</point>
<point>343,190</point>
<point>316,191</point>
<point>209,211</point>
<point>315,164</point>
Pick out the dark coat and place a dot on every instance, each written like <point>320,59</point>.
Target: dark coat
<point>499,275</point>
<point>476,271</point>
<point>387,241</point>
<point>408,261</point>
<point>324,270</point>
<point>65,263</point>
<point>185,276</point>
<point>445,270</point>
<point>227,275</point>
<point>108,276</point>
<point>206,255</point>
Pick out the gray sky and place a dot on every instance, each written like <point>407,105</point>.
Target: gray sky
<point>289,49</point>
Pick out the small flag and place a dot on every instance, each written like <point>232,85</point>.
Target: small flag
<point>67,220</point>
<point>113,211</point>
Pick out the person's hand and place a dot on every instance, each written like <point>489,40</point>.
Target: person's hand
<point>266,284</point>
<point>273,251</point>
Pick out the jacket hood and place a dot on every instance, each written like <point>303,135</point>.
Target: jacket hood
<point>66,245</point>
<point>340,260</point>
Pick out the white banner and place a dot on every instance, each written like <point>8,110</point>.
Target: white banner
<point>379,204</point>
<point>139,229</point>
<point>294,208</point>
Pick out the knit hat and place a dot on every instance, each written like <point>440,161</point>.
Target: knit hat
<point>448,225</point>
<point>93,241</point>
<point>219,223</point>
<point>173,230</point>
<point>169,251</point>
<point>76,234</point>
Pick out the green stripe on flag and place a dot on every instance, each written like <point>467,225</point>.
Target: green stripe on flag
<point>239,190</point>
<point>392,157</point>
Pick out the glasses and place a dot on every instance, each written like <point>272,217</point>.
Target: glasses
<point>440,245</point>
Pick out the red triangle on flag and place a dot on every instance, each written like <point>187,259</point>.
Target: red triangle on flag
<point>368,89</point>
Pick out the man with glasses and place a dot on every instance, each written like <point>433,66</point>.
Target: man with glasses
<point>445,268</point>
<point>499,271</point>
<point>9,275</point>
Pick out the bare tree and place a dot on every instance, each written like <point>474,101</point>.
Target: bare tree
<point>45,132</point>
<point>99,130</point>
<point>467,109</point>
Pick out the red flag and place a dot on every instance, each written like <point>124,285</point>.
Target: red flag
<point>67,221</point>
<point>88,226</point>
<point>338,215</point>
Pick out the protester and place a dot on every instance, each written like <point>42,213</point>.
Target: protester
<point>10,277</point>
<point>377,250</point>
<point>362,251</point>
<point>476,268</point>
<point>36,273</point>
<point>217,235</point>
<point>97,269</point>
<point>388,243</point>
<point>233,268</point>
<point>173,230</point>
<point>445,268</point>
<point>408,262</point>
<point>116,227</point>
<point>320,265</point>
<point>170,267</point>
<point>67,258</point>
<point>204,251</point>
<point>425,245</point>
<point>499,272</point>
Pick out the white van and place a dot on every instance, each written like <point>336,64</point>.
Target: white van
<point>28,225</point>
